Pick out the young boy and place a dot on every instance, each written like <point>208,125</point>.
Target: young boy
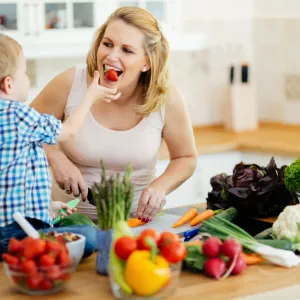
<point>25,181</point>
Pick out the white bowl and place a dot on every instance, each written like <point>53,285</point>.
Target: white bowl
<point>76,249</point>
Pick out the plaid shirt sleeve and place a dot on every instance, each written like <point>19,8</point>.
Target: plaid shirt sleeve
<point>36,127</point>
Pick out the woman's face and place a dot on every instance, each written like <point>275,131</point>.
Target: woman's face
<point>122,49</point>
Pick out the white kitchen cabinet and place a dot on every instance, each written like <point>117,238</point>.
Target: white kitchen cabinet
<point>65,28</point>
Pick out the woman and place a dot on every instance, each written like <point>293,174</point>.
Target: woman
<point>130,129</point>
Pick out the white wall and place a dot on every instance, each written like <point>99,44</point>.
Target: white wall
<point>264,33</point>
<point>228,25</point>
<point>277,45</point>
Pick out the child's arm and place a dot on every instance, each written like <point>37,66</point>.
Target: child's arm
<point>95,92</point>
<point>56,206</point>
<point>34,127</point>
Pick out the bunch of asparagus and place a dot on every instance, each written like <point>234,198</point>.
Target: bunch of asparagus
<point>113,198</point>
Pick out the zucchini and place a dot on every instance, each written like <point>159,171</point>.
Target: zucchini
<point>279,244</point>
<point>266,234</point>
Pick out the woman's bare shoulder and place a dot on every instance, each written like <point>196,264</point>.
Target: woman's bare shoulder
<point>53,97</point>
<point>175,100</point>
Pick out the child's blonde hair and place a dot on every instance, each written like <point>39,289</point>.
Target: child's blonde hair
<point>155,82</point>
<point>10,51</point>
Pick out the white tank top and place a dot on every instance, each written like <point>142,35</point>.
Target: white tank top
<point>138,146</point>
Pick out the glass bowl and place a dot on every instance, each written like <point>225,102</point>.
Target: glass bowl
<point>165,292</point>
<point>47,280</point>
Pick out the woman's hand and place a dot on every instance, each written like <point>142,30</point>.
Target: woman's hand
<point>98,92</point>
<point>150,203</point>
<point>56,206</point>
<point>68,176</point>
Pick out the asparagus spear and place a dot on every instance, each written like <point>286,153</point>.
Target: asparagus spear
<point>113,198</point>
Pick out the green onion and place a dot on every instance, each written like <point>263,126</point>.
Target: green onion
<point>223,229</point>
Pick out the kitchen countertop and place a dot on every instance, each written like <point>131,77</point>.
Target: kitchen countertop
<point>268,138</point>
<point>257,282</point>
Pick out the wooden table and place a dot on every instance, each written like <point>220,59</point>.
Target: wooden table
<point>87,284</point>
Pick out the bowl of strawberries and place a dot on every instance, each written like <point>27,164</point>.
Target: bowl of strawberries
<point>37,266</point>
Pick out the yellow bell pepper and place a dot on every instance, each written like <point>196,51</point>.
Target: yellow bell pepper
<point>144,276</point>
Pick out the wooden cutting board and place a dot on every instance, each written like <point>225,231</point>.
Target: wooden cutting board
<point>164,223</point>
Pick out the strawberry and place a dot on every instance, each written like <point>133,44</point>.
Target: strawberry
<point>46,285</point>
<point>46,260</point>
<point>53,272</point>
<point>34,281</point>
<point>29,267</point>
<point>14,245</point>
<point>10,260</point>
<point>34,248</point>
<point>65,276</point>
<point>112,75</point>
<point>27,240</point>
<point>64,259</point>
<point>53,248</point>
<point>61,239</point>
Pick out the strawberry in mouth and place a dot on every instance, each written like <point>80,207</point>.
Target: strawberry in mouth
<point>112,73</point>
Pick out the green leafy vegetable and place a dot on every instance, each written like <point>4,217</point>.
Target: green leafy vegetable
<point>253,190</point>
<point>292,176</point>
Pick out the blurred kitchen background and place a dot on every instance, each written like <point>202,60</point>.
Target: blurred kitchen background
<point>212,43</point>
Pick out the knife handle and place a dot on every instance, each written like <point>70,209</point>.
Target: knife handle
<point>190,234</point>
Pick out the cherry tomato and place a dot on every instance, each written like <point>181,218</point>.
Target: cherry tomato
<point>167,237</point>
<point>173,252</point>
<point>124,246</point>
<point>142,240</point>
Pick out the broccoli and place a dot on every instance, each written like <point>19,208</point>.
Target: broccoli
<point>292,176</point>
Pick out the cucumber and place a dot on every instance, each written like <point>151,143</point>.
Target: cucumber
<point>76,219</point>
<point>266,234</point>
<point>279,244</point>
<point>229,214</point>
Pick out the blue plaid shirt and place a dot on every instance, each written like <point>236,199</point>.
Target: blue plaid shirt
<point>25,180</point>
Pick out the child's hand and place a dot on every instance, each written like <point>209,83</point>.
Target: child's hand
<point>56,206</point>
<point>100,93</point>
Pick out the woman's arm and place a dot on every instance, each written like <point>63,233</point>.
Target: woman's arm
<point>52,100</point>
<point>179,137</point>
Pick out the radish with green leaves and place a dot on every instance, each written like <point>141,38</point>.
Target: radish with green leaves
<point>212,247</point>
<point>239,266</point>
<point>231,247</point>
<point>215,267</point>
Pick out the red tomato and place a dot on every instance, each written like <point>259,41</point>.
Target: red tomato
<point>173,252</point>
<point>142,240</point>
<point>166,238</point>
<point>124,246</point>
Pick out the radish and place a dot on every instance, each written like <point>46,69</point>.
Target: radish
<point>215,267</point>
<point>212,247</point>
<point>239,267</point>
<point>231,247</point>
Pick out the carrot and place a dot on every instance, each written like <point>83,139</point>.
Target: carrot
<point>251,259</point>
<point>134,222</point>
<point>188,216</point>
<point>202,217</point>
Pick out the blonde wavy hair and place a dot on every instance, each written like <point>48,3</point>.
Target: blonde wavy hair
<point>10,51</point>
<point>155,81</point>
